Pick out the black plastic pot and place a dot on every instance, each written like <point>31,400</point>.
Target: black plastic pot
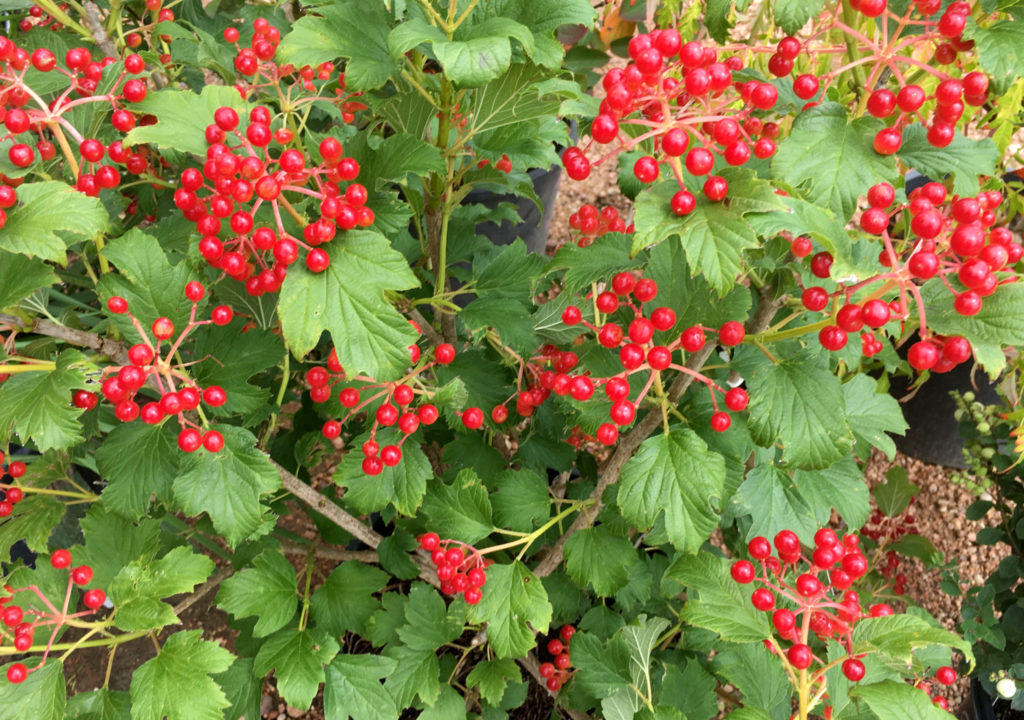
<point>534,224</point>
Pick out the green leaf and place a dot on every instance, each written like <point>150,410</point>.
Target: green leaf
<point>678,475</point>
<point>895,700</point>
<point>999,51</point>
<point>113,542</point>
<point>516,98</point>
<point>449,706</point>
<point>182,117</point>
<point>832,160</point>
<point>266,590</point>
<point>32,521</point>
<point>297,658</point>
<point>492,677</point>
<point>715,234</point>
<point>147,280</point>
<point>393,159</point>
<point>417,673</point>
<point>138,461</point>
<point>757,673</point>
<point>840,486</point>
<point>799,403</point>
<point>101,704</point>
<point>402,485</point>
<point>429,623</point>
<point>715,601</point>
<point>543,18</point>
<point>597,556</point>
<point>872,415</point>
<point>774,503</point>
<point>42,696</point>
<point>244,354</point>
<point>917,546</point>
<point>509,320</point>
<point>36,406</point>
<point>243,689</point>
<point>463,508</point>
<point>475,62</point>
<point>791,15</point>
<point>897,636</point>
<point>604,667</point>
<point>228,484</point>
<point>508,272</point>
<point>999,323</point>
<point>520,500</point>
<point>21,276</point>
<point>328,32</point>
<point>353,689</point>
<point>514,606</point>
<point>345,601</point>
<point>894,495</point>
<point>176,684</point>
<point>640,638</point>
<point>347,299</point>
<point>803,218</point>
<point>137,590</point>
<point>963,158</point>
<point>45,209</point>
<point>607,255</point>
<point>692,690</point>
<point>718,18</point>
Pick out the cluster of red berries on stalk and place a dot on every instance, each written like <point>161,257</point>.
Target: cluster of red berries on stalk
<point>460,567</point>
<point>39,18</point>
<point>886,530</point>
<point>644,346</point>
<point>947,238</point>
<point>24,112</point>
<point>686,102</point>
<point>588,224</point>
<point>240,176</point>
<point>256,62</point>
<point>151,362</point>
<point>12,493</point>
<point>811,594</point>
<point>396,403</point>
<point>19,624</point>
<point>558,670</point>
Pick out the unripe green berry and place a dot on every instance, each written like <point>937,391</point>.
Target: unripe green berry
<point>1006,688</point>
<point>984,428</point>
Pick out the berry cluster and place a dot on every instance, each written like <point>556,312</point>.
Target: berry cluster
<point>24,112</point>
<point>689,104</point>
<point>588,224</point>
<point>643,346</point>
<point>240,177</point>
<point>811,595</point>
<point>12,493</point>
<point>152,362</point>
<point>396,407</point>
<point>460,567</point>
<point>885,530</point>
<point>256,65</point>
<point>20,624</point>
<point>558,671</point>
<point>39,18</point>
<point>949,238</point>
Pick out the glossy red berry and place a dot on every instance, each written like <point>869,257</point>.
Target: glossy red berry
<point>799,656</point>
<point>853,669</point>
<point>473,418</point>
<point>81,575</point>
<point>94,598</point>
<point>60,559</point>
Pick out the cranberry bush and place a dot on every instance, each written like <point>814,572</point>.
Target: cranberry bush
<point>257,353</point>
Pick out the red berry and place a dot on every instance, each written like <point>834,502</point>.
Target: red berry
<point>444,353</point>
<point>720,421</point>
<point>94,598</point>
<point>190,440</point>
<point>731,333</point>
<point>742,571</point>
<point>853,669</point>
<point>554,646</point>
<point>799,656</point>
<point>60,559</point>
<point>213,441</point>
<point>763,599</point>
<point>473,418</point>
<point>946,675</point>
<point>81,575</point>
<point>17,673</point>
<point>737,399</point>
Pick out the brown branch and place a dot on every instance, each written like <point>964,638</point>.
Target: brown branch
<point>202,590</point>
<point>760,320</point>
<point>532,666</point>
<point>82,338</point>
<point>349,523</point>
<point>331,553</point>
<point>94,24</point>
<point>425,327</point>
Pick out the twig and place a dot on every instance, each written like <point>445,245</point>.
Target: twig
<point>111,348</point>
<point>330,553</point>
<point>347,522</point>
<point>202,590</point>
<point>532,666</point>
<point>94,24</point>
<point>425,327</point>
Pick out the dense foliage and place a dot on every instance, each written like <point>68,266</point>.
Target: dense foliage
<point>257,350</point>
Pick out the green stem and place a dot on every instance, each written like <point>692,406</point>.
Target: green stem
<point>310,563</point>
<point>850,18</point>
<point>105,642</point>
<point>529,539</point>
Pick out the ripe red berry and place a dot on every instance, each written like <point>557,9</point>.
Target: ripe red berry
<point>81,575</point>
<point>60,559</point>
<point>566,633</point>
<point>736,399</point>
<point>799,656</point>
<point>17,673</point>
<point>853,669</point>
<point>444,353</point>
<point>763,599</point>
<point>742,571</point>
<point>94,598</point>
<point>945,675</point>
<point>546,670</point>
<point>473,418</point>
<point>190,440</point>
<point>720,421</point>
<point>213,441</point>
<point>731,333</point>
